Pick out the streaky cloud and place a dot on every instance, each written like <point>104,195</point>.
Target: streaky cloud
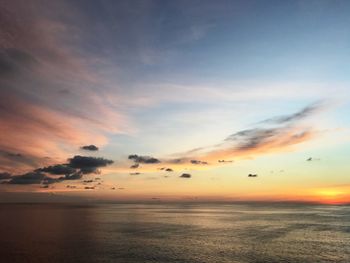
<point>262,139</point>
<point>302,114</point>
<point>198,162</point>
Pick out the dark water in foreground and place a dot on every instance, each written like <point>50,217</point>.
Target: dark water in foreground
<point>174,233</point>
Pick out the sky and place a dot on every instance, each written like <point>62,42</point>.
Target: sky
<point>175,100</point>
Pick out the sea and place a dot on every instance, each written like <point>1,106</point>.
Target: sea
<point>174,233</point>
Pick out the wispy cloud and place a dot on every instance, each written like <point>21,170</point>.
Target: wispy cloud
<point>49,103</point>
<point>302,114</point>
<point>271,135</point>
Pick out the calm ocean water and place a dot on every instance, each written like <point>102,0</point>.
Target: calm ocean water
<point>174,233</point>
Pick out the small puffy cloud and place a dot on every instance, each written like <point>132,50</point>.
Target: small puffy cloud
<point>88,181</point>
<point>143,159</point>
<point>185,175</point>
<point>134,166</point>
<point>166,169</point>
<point>312,159</point>
<point>89,147</point>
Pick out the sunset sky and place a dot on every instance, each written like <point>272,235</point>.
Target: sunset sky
<point>175,100</point>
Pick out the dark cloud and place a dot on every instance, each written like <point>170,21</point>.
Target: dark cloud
<point>252,175</point>
<point>4,176</point>
<point>166,169</point>
<point>74,170</point>
<point>185,175</point>
<point>198,162</point>
<point>312,159</point>
<point>143,159</point>
<point>89,147</point>
<point>90,170</point>
<point>89,187</point>
<point>58,169</point>
<point>86,162</point>
<point>134,166</point>
<point>28,178</point>
<point>225,161</point>
<point>88,181</point>
<point>135,173</point>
